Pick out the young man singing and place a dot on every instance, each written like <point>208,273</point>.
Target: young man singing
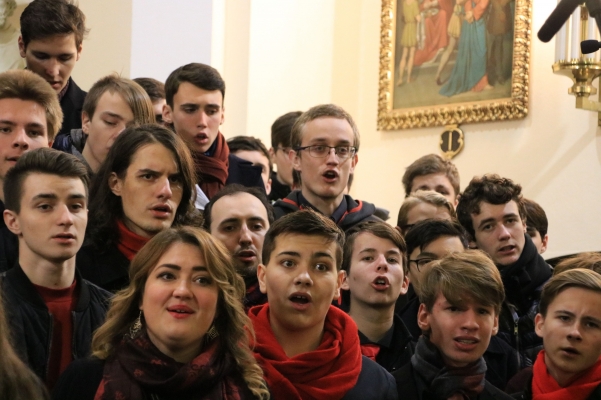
<point>308,348</point>
<point>461,298</point>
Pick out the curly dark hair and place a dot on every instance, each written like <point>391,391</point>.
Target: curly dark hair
<point>490,188</point>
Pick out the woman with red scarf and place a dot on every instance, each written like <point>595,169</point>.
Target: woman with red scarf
<point>178,331</point>
<point>569,321</point>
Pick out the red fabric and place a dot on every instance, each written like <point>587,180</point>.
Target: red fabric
<point>370,351</point>
<point>545,387</point>
<point>129,243</point>
<point>211,171</point>
<point>60,303</point>
<point>436,39</point>
<point>325,373</point>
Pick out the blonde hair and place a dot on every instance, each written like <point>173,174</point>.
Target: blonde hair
<point>464,276</point>
<point>589,260</point>
<point>27,86</point>
<point>423,196</point>
<point>231,322</point>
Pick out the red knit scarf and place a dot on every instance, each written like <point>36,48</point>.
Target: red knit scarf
<point>211,171</point>
<point>545,387</point>
<point>129,243</point>
<point>139,369</point>
<point>325,373</point>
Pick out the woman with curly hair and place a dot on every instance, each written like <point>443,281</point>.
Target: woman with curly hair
<point>178,331</point>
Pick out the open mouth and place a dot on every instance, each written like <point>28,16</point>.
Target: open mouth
<point>180,310</point>
<point>246,254</point>
<point>381,283</point>
<point>300,298</point>
<point>507,249</point>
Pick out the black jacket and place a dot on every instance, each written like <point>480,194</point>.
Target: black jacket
<point>501,359</point>
<point>107,268</point>
<point>31,323</point>
<point>244,172</point>
<point>9,244</point>
<point>374,383</point>
<point>348,214</point>
<point>278,190</point>
<point>72,142</point>
<point>71,104</point>
<point>410,389</point>
<point>523,281</point>
<point>396,347</point>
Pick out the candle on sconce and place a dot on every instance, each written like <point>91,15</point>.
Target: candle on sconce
<point>575,35</point>
<point>561,43</point>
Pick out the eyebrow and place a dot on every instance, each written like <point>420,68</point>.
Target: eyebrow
<point>112,114</point>
<point>486,221</point>
<point>426,254</point>
<point>323,140</point>
<point>29,124</point>
<point>178,268</point>
<point>53,196</point>
<point>320,254</point>
<point>370,250</point>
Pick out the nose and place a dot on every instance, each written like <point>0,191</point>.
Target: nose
<point>165,191</point>
<point>21,139</point>
<point>504,233</point>
<point>470,321</point>
<point>52,68</point>
<point>332,158</point>
<point>575,332</point>
<point>65,217</point>
<point>381,264</point>
<point>245,237</point>
<point>303,278</point>
<point>182,290</point>
<point>202,118</point>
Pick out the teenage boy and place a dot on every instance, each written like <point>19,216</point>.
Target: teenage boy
<point>30,117</point>
<point>194,95</point>
<point>432,172</point>
<point>145,185</point>
<point>156,91</point>
<point>281,178</point>
<point>52,33</point>
<point>254,151</point>
<point>461,297</point>
<point>375,262</point>
<point>537,224</point>
<point>239,217</point>
<point>112,104</point>
<point>569,321</point>
<point>308,348</point>
<point>432,240</point>
<point>325,142</point>
<point>52,310</point>
<point>422,205</point>
<point>491,211</point>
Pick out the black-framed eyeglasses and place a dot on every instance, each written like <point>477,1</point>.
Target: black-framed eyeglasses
<point>421,262</point>
<point>321,151</point>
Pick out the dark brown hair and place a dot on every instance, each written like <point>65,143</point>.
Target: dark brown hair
<point>304,223</point>
<point>578,278</point>
<point>155,89</point>
<point>45,18</point>
<point>589,260</point>
<point>431,164</point>
<point>231,190</point>
<point>281,129</point>
<point>535,217</point>
<point>249,143</point>
<point>41,161</point>
<point>200,75</point>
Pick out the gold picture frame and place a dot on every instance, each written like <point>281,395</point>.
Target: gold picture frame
<point>413,102</point>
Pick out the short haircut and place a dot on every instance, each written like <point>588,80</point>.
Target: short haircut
<point>490,188</point>
<point>249,143</point>
<point>45,18</point>
<point>423,196</point>
<point>535,217</point>
<point>41,161</point>
<point>304,223</point>
<point>132,93</point>
<point>379,229</point>
<point>28,86</point>
<point>429,230</point>
<point>231,190</point>
<point>106,207</point>
<point>431,164</point>
<point>200,75</point>
<point>321,111</point>
<point>281,129</point>
<point>153,88</point>
<point>578,278</point>
<point>589,260</point>
<point>461,277</point>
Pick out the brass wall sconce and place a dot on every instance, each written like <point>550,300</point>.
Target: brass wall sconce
<point>583,69</point>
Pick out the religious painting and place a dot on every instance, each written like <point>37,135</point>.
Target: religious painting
<point>9,33</point>
<point>448,62</point>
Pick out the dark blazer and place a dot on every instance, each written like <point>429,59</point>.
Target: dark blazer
<point>409,389</point>
<point>107,268</point>
<point>72,105</point>
<point>9,244</point>
<point>396,348</point>
<point>374,383</point>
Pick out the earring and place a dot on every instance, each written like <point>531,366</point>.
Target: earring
<point>211,334</point>
<point>135,328</point>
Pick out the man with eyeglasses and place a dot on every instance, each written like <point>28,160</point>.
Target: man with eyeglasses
<point>325,141</point>
<point>431,240</point>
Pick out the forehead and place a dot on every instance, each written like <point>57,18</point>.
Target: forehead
<point>327,130</point>
<point>155,157</point>
<point>188,93</point>
<point>183,255</point>
<point>238,206</point>
<point>305,245</point>
<point>444,245</point>
<point>22,112</point>
<point>113,101</point>
<point>54,44</point>
<point>367,240</point>
<point>496,211</point>
<point>254,156</point>
<point>431,182</point>
<point>36,183</point>
<point>578,301</point>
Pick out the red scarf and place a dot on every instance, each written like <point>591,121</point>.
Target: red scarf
<point>545,387</point>
<point>211,171</point>
<point>139,368</point>
<point>129,243</point>
<point>325,373</point>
